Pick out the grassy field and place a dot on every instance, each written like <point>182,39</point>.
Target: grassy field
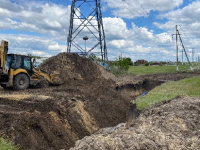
<point>170,90</point>
<point>139,70</point>
<point>4,145</point>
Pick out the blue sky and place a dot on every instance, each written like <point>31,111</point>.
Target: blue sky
<point>138,29</point>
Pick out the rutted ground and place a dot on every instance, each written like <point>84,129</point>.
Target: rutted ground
<point>57,116</point>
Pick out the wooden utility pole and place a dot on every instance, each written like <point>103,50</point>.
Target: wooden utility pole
<point>177,69</point>
<point>178,34</point>
<point>177,48</point>
<point>182,56</point>
<point>185,51</point>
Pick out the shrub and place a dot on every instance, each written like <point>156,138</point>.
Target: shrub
<point>122,63</point>
<point>118,72</point>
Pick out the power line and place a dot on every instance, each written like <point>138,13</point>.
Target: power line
<point>156,4</point>
<point>130,12</point>
<point>143,9</point>
<point>178,15</point>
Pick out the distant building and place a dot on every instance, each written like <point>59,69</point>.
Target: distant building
<point>158,63</point>
<point>142,61</point>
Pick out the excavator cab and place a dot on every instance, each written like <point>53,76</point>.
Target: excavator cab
<point>18,71</point>
<point>15,61</point>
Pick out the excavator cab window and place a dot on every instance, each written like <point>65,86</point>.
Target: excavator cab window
<point>27,65</point>
<point>8,63</point>
<point>16,62</point>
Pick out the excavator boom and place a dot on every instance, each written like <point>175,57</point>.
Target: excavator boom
<point>3,54</point>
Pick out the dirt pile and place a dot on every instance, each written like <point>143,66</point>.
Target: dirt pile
<point>56,117</point>
<point>86,82</point>
<point>72,68</point>
<point>174,125</point>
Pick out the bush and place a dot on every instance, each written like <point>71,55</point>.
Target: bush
<point>136,63</point>
<point>120,66</point>
<point>122,63</point>
<point>118,72</point>
<point>146,64</point>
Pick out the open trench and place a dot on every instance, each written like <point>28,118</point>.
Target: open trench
<point>69,113</point>
<point>59,122</point>
<point>89,100</point>
<point>134,90</point>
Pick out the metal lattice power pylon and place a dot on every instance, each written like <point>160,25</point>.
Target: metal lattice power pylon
<point>86,32</point>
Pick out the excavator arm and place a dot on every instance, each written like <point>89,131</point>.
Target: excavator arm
<point>3,54</point>
<point>51,78</point>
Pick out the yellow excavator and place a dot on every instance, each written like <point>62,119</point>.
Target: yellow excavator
<point>18,71</point>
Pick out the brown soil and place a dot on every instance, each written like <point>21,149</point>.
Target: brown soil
<point>56,117</point>
<point>173,126</point>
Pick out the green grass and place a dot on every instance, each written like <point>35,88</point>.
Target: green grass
<point>170,90</point>
<point>4,145</point>
<point>140,70</point>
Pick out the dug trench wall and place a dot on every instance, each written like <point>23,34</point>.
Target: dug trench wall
<point>56,117</point>
<point>173,125</point>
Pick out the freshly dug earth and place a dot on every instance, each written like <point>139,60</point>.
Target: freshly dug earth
<point>173,125</point>
<point>57,116</point>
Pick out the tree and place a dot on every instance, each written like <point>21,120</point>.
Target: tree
<point>129,61</point>
<point>122,63</point>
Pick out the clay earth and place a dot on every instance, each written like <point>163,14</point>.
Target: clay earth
<point>92,105</point>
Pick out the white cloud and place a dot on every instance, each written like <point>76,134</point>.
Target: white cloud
<point>187,16</point>
<point>115,28</point>
<point>38,17</point>
<point>138,8</point>
<point>142,33</point>
<point>42,28</point>
<point>25,44</point>
<point>188,23</point>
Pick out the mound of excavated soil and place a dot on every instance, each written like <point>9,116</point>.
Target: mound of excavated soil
<point>56,117</point>
<point>174,125</point>
<point>72,68</point>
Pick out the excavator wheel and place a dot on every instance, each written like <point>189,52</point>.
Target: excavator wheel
<point>21,82</point>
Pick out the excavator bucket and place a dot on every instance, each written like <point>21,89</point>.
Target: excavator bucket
<point>55,79</point>
<point>52,78</point>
